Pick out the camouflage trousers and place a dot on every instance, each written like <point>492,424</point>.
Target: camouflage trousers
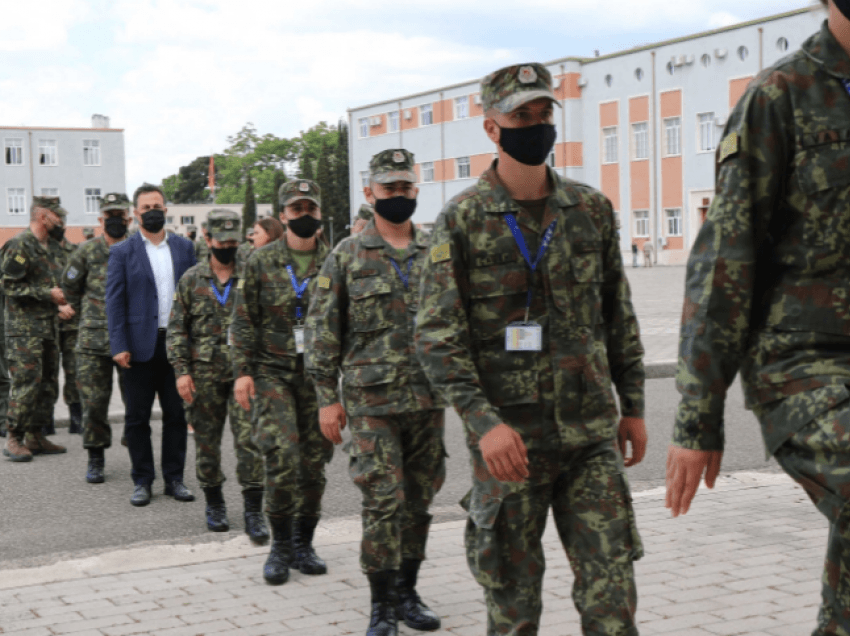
<point>5,381</point>
<point>285,425</point>
<point>67,346</point>
<point>33,368</point>
<point>591,504</point>
<point>398,463</point>
<point>213,402</point>
<point>94,383</point>
<point>818,458</point>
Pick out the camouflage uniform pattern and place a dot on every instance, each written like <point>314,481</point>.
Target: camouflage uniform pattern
<point>559,400</point>
<point>197,346</point>
<point>513,86</point>
<point>766,290</point>
<point>84,285</point>
<point>68,330</point>
<point>5,381</point>
<point>242,255</point>
<point>285,419</point>
<point>361,323</point>
<point>365,212</point>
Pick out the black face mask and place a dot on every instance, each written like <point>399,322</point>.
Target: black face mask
<point>57,232</point>
<point>114,226</point>
<point>844,7</point>
<point>153,220</point>
<point>530,145</point>
<point>395,209</point>
<point>304,226</point>
<point>224,255</point>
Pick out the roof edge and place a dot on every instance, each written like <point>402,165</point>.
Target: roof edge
<point>52,128</point>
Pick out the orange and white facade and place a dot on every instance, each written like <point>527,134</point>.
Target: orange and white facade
<point>641,125</point>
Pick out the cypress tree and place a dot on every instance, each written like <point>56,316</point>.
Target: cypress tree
<point>279,180</point>
<point>249,209</point>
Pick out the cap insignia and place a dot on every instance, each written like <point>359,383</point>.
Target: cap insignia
<point>398,156</point>
<point>527,75</point>
<point>304,186</point>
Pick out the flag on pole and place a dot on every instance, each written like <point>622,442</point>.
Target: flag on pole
<point>212,176</point>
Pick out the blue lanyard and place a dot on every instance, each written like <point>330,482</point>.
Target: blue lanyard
<point>404,278</point>
<point>222,298</point>
<point>299,290</point>
<point>846,83</point>
<point>523,248</point>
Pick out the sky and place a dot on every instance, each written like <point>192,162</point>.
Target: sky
<point>180,76</point>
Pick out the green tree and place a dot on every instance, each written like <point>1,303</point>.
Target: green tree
<point>279,180</point>
<point>342,207</point>
<point>249,210</point>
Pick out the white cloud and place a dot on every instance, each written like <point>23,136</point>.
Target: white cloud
<point>722,19</point>
<point>41,25</point>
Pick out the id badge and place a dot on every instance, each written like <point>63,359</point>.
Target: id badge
<point>299,339</point>
<point>524,336</point>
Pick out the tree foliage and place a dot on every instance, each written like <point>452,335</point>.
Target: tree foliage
<point>249,209</point>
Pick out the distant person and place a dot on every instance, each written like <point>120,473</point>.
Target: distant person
<point>365,214</point>
<point>141,280</point>
<point>202,250</point>
<point>267,231</point>
<point>634,254</point>
<point>647,254</point>
<point>244,251</point>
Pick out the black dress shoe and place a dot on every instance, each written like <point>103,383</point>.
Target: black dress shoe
<point>178,490</point>
<point>94,474</point>
<point>141,495</point>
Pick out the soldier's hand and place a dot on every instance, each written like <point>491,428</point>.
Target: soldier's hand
<point>57,296</point>
<point>122,359</point>
<point>505,453</point>
<point>244,392</point>
<point>332,421</point>
<point>685,468</point>
<point>632,429</point>
<point>66,312</point>
<point>186,388</point>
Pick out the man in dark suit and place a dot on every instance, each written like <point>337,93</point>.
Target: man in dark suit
<point>141,280</point>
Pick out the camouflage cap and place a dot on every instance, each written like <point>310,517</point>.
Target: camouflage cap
<point>50,203</point>
<point>115,201</point>
<point>392,165</point>
<point>224,225</point>
<point>300,190</point>
<point>513,86</point>
<point>365,212</point>
<point>88,233</point>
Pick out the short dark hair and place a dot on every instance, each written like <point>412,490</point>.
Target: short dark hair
<point>144,189</point>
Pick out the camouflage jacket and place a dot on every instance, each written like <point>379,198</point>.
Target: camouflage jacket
<point>245,250</point>
<point>198,327</point>
<point>84,284</point>
<point>475,283</point>
<point>768,279</point>
<point>62,253</point>
<point>202,250</point>
<point>361,322</point>
<point>29,273</point>
<point>263,337</point>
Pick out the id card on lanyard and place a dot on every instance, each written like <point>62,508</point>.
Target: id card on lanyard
<point>527,335</point>
<point>299,289</point>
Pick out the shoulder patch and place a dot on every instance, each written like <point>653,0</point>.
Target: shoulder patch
<point>440,253</point>
<point>729,147</point>
<point>240,284</point>
<point>324,282</point>
<point>72,273</point>
<point>175,296</point>
<point>20,259</point>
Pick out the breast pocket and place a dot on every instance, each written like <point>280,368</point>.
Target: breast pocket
<point>823,176</point>
<point>497,297</point>
<point>369,306</point>
<point>586,267</point>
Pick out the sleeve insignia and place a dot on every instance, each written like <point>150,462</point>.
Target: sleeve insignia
<point>729,147</point>
<point>20,259</point>
<point>240,284</point>
<point>441,253</point>
<point>72,273</point>
<point>324,282</point>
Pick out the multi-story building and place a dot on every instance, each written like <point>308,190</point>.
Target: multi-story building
<point>77,164</point>
<point>641,125</point>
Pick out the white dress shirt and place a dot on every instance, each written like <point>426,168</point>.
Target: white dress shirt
<point>163,273</point>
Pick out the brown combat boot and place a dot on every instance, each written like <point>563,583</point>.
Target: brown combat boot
<point>15,451</point>
<point>39,444</point>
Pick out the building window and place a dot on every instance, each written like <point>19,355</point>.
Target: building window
<point>463,169</point>
<point>426,115</point>
<point>673,136</point>
<point>706,132</point>
<point>782,44</point>
<point>393,117</point>
<point>169,220</point>
<point>187,220</point>
<point>641,223</point>
<point>47,155</point>
<point>50,192</point>
<point>91,152</point>
<point>364,178</point>
<point>16,200</point>
<point>743,52</point>
<point>92,200</point>
<point>14,152</point>
<point>639,74</point>
<point>674,221</point>
<point>428,172</point>
<point>706,60</point>
<point>609,145</point>
<point>609,80</point>
<point>462,107</point>
<point>363,124</point>
<point>640,141</point>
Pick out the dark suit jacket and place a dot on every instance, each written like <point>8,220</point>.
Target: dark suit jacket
<point>132,307</point>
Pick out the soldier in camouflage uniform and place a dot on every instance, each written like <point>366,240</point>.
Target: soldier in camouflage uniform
<point>767,294</point>
<point>84,284</point>
<point>5,381</point>
<point>88,233</point>
<point>524,322</point>
<point>202,250</point>
<point>361,324</point>
<point>245,250</point>
<point>268,343</point>
<point>68,331</point>
<point>364,215</point>
<point>200,354</point>
<point>29,275</point>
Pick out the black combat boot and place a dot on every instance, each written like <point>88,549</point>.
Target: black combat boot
<point>255,522</point>
<point>94,474</point>
<point>304,557</point>
<point>50,427</point>
<point>383,621</point>
<point>409,607</point>
<point>215,511</point>
<point>75,427</point>
<point>276,568</point>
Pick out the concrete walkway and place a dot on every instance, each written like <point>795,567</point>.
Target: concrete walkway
<point>746,561</point>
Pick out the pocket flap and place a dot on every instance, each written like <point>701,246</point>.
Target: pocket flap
<point>365,287</point>
<point>507,388</point>
<point>370,375</point>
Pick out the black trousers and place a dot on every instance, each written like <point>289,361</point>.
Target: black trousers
<point>143,381</point>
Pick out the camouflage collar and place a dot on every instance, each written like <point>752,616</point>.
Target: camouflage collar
<point>824,49</point>
<point>370,238</point>
<point>281,247</point>
<point>33,239</point>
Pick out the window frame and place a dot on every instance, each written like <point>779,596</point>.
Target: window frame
<point>668,218</point>
<point>426,167</point>
<point>614,146</point>
<point>635,145</point>
<point>187,220</point>
<point>50,194</point>
<point>23,201</point>
<point>426,108</point>
<point>666,128</point>
<point>43,144</point>
<point>464,102</point>
<point>390,127</point>
<point>90,144</point>
<point>641,217</point>
<point>709,126</point>
<point>467,165</point>
<point>363,124</point>
<point>6,148</point>
<point>91,201</point>
<point>364,178</point>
